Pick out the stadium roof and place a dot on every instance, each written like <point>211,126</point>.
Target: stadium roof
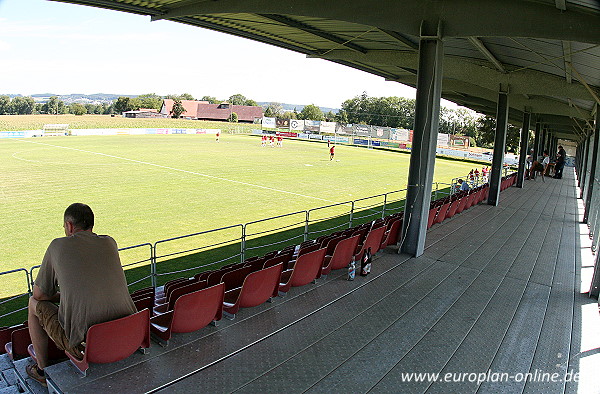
<point>546,53</point>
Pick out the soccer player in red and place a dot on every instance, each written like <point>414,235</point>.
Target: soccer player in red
<point>331,152</point>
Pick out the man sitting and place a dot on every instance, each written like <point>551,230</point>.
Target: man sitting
<point>86,269</point>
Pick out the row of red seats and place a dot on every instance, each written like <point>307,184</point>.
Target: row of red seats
<point>444,208</point>
<point>189,304</point>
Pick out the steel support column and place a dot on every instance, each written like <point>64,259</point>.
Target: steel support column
<point>590,187</point>
<point>422,157</point>
<point>589,148</point>
<point>536,140</point>
<point>582,156</point>
<point>523,148</point>
<point>499,146</point>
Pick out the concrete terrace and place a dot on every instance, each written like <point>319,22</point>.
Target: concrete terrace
<point>498,289</point>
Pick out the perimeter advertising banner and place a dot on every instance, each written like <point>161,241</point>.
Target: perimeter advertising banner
<point>328,127</point>
<point>402,135</point>
<point>268,123</point>
<point>282,123</point>
<point>381,132</point>
<point>312,125</point>
<point>362,130</point>
<point>344,129</point>
<point>287,134</point>
<point>443,139</point>
<point>297,124</point>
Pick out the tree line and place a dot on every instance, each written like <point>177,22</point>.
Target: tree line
<point>397,112</point>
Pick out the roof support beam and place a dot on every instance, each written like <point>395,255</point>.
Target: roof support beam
<point>477,43</point>
<point>284,20</point>
<point>567,57</point>
<point>587,86</point>
<point>527,18</point>
<point>526,81</point>
<point>401,38</point>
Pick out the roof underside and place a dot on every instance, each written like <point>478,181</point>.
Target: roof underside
<point>546,53</point>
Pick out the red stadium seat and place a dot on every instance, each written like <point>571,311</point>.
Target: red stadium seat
<point>144,303</point>
<point>306,269</point>
<point>19,341</point>
<point>431,218</point>
<point>258,288</point>
<point>441,215</point>
<point>285,259</point>
<point>390,237</point>
<point>235,278</point>
<point>462,203</point>
<point>342,255</point>
<point>452,208</point>
<point>178,292</point>
<point>54,353</point>
<point>373,241</point>
<point>192,312</point>
<point>115,340</point>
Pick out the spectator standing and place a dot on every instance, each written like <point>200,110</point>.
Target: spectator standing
<point>560,162</point>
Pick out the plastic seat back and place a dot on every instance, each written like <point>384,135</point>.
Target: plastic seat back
<point>431,218</point>
<point>308,249</point>
<point>19,341</point>
<point>235,278</point>
<point>452,208</point>
<point>196,310</point>
<point>189,288</point>
<point>115,340</point>
<point>278,260</point>
<point>258,287</point>
<point>306,270</point>
<point>441,215</point>
<point>391,236</point>
<point>373,241</point>
<point>342,255</point>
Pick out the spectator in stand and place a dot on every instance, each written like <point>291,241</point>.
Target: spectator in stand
<point>464,186</point>
<point>92,284</point>
<point>560,162</point>
<point>540,167</point>
<point>528,164</point>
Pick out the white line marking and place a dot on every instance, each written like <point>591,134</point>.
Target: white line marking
<point>180,170</point>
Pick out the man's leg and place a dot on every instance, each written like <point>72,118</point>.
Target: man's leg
<point>39,338</point>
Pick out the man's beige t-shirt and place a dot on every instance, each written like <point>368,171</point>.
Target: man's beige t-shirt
<point>86,269</point>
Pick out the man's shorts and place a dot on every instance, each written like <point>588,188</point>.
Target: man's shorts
<point>47,313</point>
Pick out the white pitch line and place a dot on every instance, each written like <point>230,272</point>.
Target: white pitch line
<point>180,170</point>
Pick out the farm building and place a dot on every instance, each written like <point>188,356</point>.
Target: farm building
<point>203,110</point>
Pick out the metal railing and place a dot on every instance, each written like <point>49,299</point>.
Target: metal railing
<point>231,244</point>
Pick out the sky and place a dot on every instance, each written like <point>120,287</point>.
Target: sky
<point>50,47</point>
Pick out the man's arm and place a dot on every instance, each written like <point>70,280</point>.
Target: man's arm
<point>39,295</point>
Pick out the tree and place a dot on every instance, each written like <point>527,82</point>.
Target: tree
<point>487,127</point>
<point>78,109</point>
<point>383,111</point>
<point>233,118</point>
<point>123,104</point>
<point>273,110</point>
<point>53,106</point>
<point>237,99</point>
<point>311,112</point>
<point>330,116</point>
<point>186,96</point>
<point>288,115</point>
<point>4,105</point>
<point>251,103</point>
<point>177,109</point>
<point>150,100</point>
<point>22,105</point>
<point>210,99</point>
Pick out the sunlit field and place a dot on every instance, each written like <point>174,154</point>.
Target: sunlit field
<point>147,188</point>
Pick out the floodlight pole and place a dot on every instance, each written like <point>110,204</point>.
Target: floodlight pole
<point>422,156</point>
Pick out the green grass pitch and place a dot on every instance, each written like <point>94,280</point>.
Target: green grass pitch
<point>152,187</point>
